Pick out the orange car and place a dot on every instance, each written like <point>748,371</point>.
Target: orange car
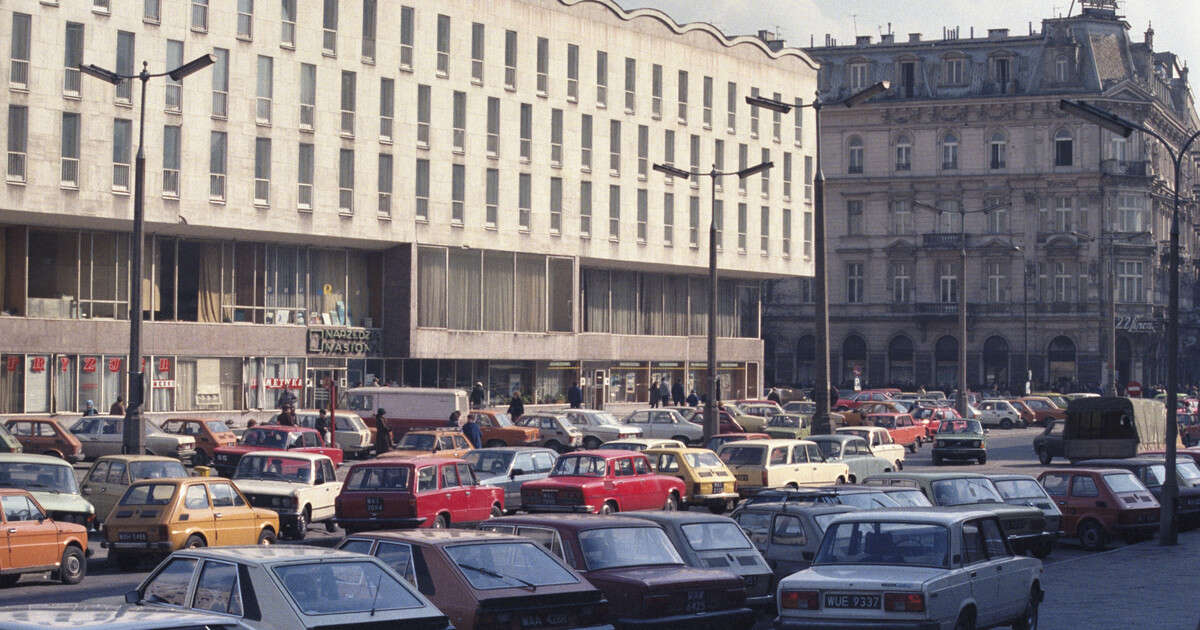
<point>497,429</point>
<point>46,437</point>
<point>901,426</point>
<point>1043,409</point>
<point>209,434</point>
<point>33,543</point>
<point>426,442</point>
<point>857,416</point>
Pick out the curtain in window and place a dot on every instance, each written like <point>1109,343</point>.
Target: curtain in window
<point>497,291</point>
<point>699,300</point>
<point>624,302</point>
<point>359,289</point>
<point>747,311</point>
<point>208,299</point>
<point>37,383</point>
<point>531,293</point>
<point>231,384</point>
<point>431,287</point>
<point>281,279</point>
<point>12,385</point>
<point>562,279</point>
<point>675,294</point>
<point>727,310</point>
<point>652,304</point>
<point>64,393</point>
<point>462,299</point>
<point>595,300</point>
<point>185,385</point>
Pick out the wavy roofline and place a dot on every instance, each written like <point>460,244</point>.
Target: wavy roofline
<point>701,27</point>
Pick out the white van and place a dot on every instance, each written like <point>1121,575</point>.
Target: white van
<point>407,408</point>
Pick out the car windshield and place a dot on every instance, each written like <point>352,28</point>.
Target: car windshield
<point>274,468</point>
<point>862,433</point>
<point>743,455</point>
<point>800,407</point>
<point>702,460</point>
<point>623,446</point>
<point>1020,489</point>
<point>418,441</point>
<point>379,478</point>
<point>156,470</point>
<point>712,536</point>
<point>887,422</point>
<point>626,547</point>
<point>88,424</point>
<point>784,421</point>
<point>489,462</point>
<point>886,543</point>
<point>502,419</point>
<point>961,426</point>
<point>149,494</point>
<point>1123,482</point>
<point>216,426</point>
<point>508,565</point>
<point>580,466</point>
<point>604,418</point>
<point>867,500</point>
<point>1188,473</point>
<point>829,448</point>
<point>1155,475</point>
<point>56,478</point>
<point>344,587</point>
<point>823,520</point>
<point>965,491</point>
<point>265,437</point>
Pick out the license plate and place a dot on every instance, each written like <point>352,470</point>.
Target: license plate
<point>851,600</point>
<point>131,537</point>
<point>550,619</point>
<point>550,495</point>
<point>742,477</point>
<point>374,505</point>
<point>718,488</point>
<point>695,601</point>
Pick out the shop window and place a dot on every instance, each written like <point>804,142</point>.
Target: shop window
<point>100,380</point>
<point>12,383</point>
<point>462,298</point>
<point>560,290</point>
<point>286,290</point>
<point>53,287</point>
<point>595,300</point>
<point>64,383</point>
<point>208,384</point>
<point>243,300</point>
<point>530,293</point>
<point>38,368</point>
<point>327,288</point>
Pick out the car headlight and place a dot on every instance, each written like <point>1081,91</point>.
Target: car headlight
<point>941,444</point>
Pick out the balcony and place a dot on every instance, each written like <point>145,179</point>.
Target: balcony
<point>942,240</point>
<point>936,309</point>
<point>1130,168</point>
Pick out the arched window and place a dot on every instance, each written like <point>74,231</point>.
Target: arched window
<point>1064,148</point>
<point>900,361</point>
<point>998,151</point>
<point>856,155</point>
<point>903,153</point>
<point>949,151</point>
<point>854,356</point>
<point>995,361</point>
<point>1061,355</point>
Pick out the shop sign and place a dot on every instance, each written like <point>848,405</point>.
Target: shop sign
<point>1136,324</point>
<point>343,342</point>
<point>162,383</point>
<point>283,383</point>
<point>561,365</point>
<point>667,364</point>
<point>64,364</point>
<point>13,363</point>
<point>629,364</point>
<point>89,364</point>
<point>37,364</point>
<point>114,365</point>
<point>728,365</point>
<point>699,365</point>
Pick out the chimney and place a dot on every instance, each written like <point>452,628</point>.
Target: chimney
<point>887,38</point>
<point>1149,36</point>
<point>862,41</point>
<point>914,38</point>
<point>997,33</point>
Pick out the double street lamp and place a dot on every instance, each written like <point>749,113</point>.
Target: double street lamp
<point>1167,533</point>
<point>711,422</point>
<point>134,436</point>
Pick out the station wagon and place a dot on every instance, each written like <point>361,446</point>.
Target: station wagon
<point>392,492</point>
<point>787,534</point>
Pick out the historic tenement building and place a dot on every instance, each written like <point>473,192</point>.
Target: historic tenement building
<point>1054,208</point>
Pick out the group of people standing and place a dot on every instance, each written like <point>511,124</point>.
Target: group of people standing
<point>663,394</point>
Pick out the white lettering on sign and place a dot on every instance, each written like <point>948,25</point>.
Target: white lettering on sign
<point>283,383</point>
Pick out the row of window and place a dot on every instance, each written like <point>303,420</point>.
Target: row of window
<point>997,152</point>
<point>955,71</point>
<point>1063,215</point>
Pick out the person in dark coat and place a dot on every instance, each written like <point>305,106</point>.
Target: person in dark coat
<point>693,399</point>
<point>117,408</point>
<point>89,410</point>
<point>472,433</point>
<point>287,417</point>
<point>774,396</point>
<point>454,416</point>
<point>383,433</point>
<point>677,395</point>
<point>477,396</point>
<point>575,396</point>
<point>322,426</point>
<point>516,408</point>
<point>654,394</point>
<point>664,393</point>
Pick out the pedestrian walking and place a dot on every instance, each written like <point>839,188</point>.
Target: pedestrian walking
<point>575,396</point>
<point>383,433</point>
<point>477,396</point>
<point>117,408</point>
<point>286,417</point>
<point>654,394</point>
<point>322,426</point>
<point>693,399</point>
<point>677,395</point>
<point>472,433</point>
<point>664,393</point>
<point>516,407</point>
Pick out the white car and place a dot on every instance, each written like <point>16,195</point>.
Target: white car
<point>103,435</point>
<point>666,424</point>
<point>599,427</point>
<point>880,441</point>
<point>301,487</point>
<point>350,433</point>
<point>915,570</point>
<point>999,413</point>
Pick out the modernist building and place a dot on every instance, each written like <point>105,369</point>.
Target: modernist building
<point>1055,208</point>
<point>485,210</point>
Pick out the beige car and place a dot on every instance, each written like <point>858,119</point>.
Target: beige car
<point>301,487</point>
<point>880,441</point>
<point>109,477</point>
<point>350,432</point>
<point>758,464</point>
<point>102,435</point>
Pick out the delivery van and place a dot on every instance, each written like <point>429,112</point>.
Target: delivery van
<point>407,408</point>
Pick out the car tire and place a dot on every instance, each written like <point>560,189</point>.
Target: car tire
<point>441,522</point>
<point>495,444</point>
<point>912,448</point>
<point>330,526</point>
<point>722,507</point>
<point>73,566</point>
<point>899,465</point>
<point>672,504</point>
<point>1044,456</point>
<point>966,621</point>
<point>555,446</point>
<point>591,443</point>
<point>982,459</point>
<point>266,536</point>
<point>1092,536</point>
<point>1006,424</point>
<point>497,511</point>
<point>300,529</point>
<point>1029,618</point>
<point>1042,550</point>
<point>194,542</point>
<point>608,508</point>
<point>840,481</point>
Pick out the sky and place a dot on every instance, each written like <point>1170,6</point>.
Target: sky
<point>797,20</point>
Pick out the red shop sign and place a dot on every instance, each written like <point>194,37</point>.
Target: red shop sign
<point>114,365</point>
<point>37,364</point>
<point>283,383</point>
<point>164,364</point>
<point>89,364</point>
<point>14,362</point>
<point>64,363</point>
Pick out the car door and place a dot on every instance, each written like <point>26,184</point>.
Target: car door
<point>452,492</point>
<point>112,433</point>
<point>822,471</point>
<point>325,490</point>
<point>431,501</point>
<point>1057,484</point>
<point>1012,591</point>
<point>32,538</point>
<point>87,431</point>
<point>478,507</point>
<point>523,469</point>
<point>234,519</point>
<point>43,439</point>
<point>1054,438</point>
<point>653,487</point>
<point>984,577</point>
<point>641,419</point>
<point>788,539</point>
<point>552,432</point>
<point>461,445</point>
<point>94,485</point>
<point>800,470</point>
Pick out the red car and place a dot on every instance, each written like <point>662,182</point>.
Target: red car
<point>273,438</point>
<point>931,418</point>
<point>603,482</point>
<point>867,395</point>
<point>392,492</point>
<point>1099,504</point>
<point>901,426</point>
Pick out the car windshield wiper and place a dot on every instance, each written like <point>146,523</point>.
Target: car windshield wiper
<point>498,576</point>
<point>41,485</point>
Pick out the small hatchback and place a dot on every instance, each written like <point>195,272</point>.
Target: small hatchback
<point>45,436</point>
<point>34,543</point>
<point>397,492</point>
<point>1101,504</point>
<point>109,477</point>
<point>711,483</point>
<point>209,434</point>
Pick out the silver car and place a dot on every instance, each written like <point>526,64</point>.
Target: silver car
<point>599,427</point>
<point>110,617</point>
<point>665,424</point>
<point>510,466</point>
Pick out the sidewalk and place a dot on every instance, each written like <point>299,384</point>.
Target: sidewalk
<point>1142,585</point>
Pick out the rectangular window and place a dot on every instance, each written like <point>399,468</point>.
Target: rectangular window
<point>997,150</point>
<point>245,19</point>
<point>387,108</point>
<point>718,219</point>
<point>572,73</point>
<point>787,176</point>
<point>694,159</point>
<point>18,76</point>
<point>385,185</point>
<point>493,126</point>
<point>477,52</point>
<point>406,38</point>
<point>262,171</point>
<point>601,79</point>
<point>656,91</point>
<point>1063,209</point>
<point>669,148</point>
<point>125,41</point>
<point>630,84</point>
<point>901,282</point>
<point>70,150</point>
<point>859,75</point>
<point>614,147</point>
<point>266,88</point>
<point>644,153</point>
<point>731,108</point>
<point>643,214</point>
<point>556,137</point>
<point>458,194</point>
<point>172,152</point>
<point>510,60</point>
<point>304,176</point>
<point>787,232</point>
<point>423,112</point>
<point>1062,283</point>
<point>854,283</point>
<point>216,166</point>
<point>668,218</point>
<point>585,142</point>
<point>808,234</point>
<point>742,220</point>
<point>287,29</point>
<point>174,98</point>
<point>524,200</point>
<point>902,218</point>
<point>526,132</point>
<point>777,121</point>
<point>708,102</point>
<point>614,212</point>
<point>349,98</point>
<point>368,30</point>
<point>764,229</point>
<point>718,162</point>
<point>122,152</point>
<point>765,176</point>
<point>1063,149</point>
<point>73,56</point>
<point>743,162</point>
<point>754,115</point>
<point>200,15</point>
<point>694,221</point>
<point>543,66</point>
<point>421,191</point>
<point>329,26</point>
<point>808,178</point>
<point>492,197</point>
<point>220,83</point>
<point>947,283</point>
<point>556,207</point>
<point>346,181</point>
<point>459,121</point>
<point>1131,213</point>
<point>308,96</point>
<point>682,90</point>
<point>854,216</point>
<point>798,122</point>
<point>585,209</point>
<point>443,45</point>
<point>997,283</point>
<point>997,217</point>
<point>952,71</point>
<point>1129,281</point>
<point>152,11</point>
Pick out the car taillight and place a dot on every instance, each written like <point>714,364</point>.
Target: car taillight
<point>696,488</point>
<point>652,603</point>
<point>764,478</point>
<point>164,532</point>
<point>904,602</point>
<point>799,600</point>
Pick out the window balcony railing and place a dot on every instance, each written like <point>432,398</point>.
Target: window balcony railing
<point>942,240</point>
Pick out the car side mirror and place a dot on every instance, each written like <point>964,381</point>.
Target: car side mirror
<point>516,472</point>
<point>132,597</point>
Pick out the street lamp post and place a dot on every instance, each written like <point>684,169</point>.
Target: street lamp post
<point>821,379</point>
<point>1167,531</point>
<point>134,436</point>
<point>712,425</point>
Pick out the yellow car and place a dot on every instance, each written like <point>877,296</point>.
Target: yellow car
<point>709,482</point>
<point>158,516</point>
<point>109,477</point>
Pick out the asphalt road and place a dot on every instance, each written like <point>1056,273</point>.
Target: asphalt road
<point>1008,451</point>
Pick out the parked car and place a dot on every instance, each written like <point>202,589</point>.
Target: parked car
<point>1057,399</point>
<point>633,562</point>
<point>1102,504</point>
<point>603,482</point>
<point>787,534</point>
<point>1049,444</point>
<point>9,443</point>
<point>102,435</point>
<point>665,424</point>
<point>788,426</point>
<point>862,497</point>
<point>109,617</point>
<point>1025,490</point>
<point>762,409</point>
<point>34,542</point>
<point>508,468</point>
<point>209,435</point>
<point>599,427</point>
<point>802,407</point>
<point>901,426</point>
<point>854,452</point>
<point>52,483</point>
<point>350,431</point>
<point>158,516</point>
<point>758,464</point>
<point>933,417</point>
<point>999,413</point>
<point>391,492</point>
<point>1044,409</point>
<point>732,420</point>
<point>853,400</point>
<point>1027,414</point>
<point>423,442</point>
<point>273,438</point>
<point>45,436</point>
<point>638,445</point>
<point>707,541</point>
<point>1189,427</point>
<point>1150,470</point>
<point>108,478</point>
<point>287,588</point>
<point>497,429</point>
<point>1025,527</point>
<point>915,569</point>
<point>880,441</point>
<point>959,440</point>
<point>858,415</point>
<point>711,482</point>
<point>715,442</point>
<point>554,432</point>
<point>482,579</point>
<point>300,487</point>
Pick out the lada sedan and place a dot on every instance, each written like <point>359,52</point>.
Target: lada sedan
<point>273,438</point>
<point>854,452</point>
<point>391,492</point>
<point>509,468</point>
<point>497,429</point>
<point>603,482</point>
<point>913,570</point>
<point>599,427</point>
<point>209,434</point>
<point>880,441</point>
<point>300,487</point>
<point>102,435</point>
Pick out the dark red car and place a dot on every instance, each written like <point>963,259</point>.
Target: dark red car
<point>392,492</point>
<point>1100,504</point>
<point>603,482</point>
<point>633,562</point>
<point>273,438</point>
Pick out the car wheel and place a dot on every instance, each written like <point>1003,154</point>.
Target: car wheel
<point>982,459</point>
<point>591,443</point>
<point>722,507</point>
<point>330,526</point>
<point>555,446</point>
<point>495,444</point>
<point>1029,618</point>
<point>497,511</point>
<point>899,465</point>
<point>194,542</point>
<point>840,481</point>
<point>73,566</point>
<point>441,522</point>
<point>966,621</point>
<point>300,529</point>
<point>266,536</point>
<point>1006,424</point>
<point>912,448</point>
<point>1092,536</point>
<point>10,580</point>
<point>608,508</point>
<point>1042,550</point>
<point>1044,456</point>
<point>672,503</point>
